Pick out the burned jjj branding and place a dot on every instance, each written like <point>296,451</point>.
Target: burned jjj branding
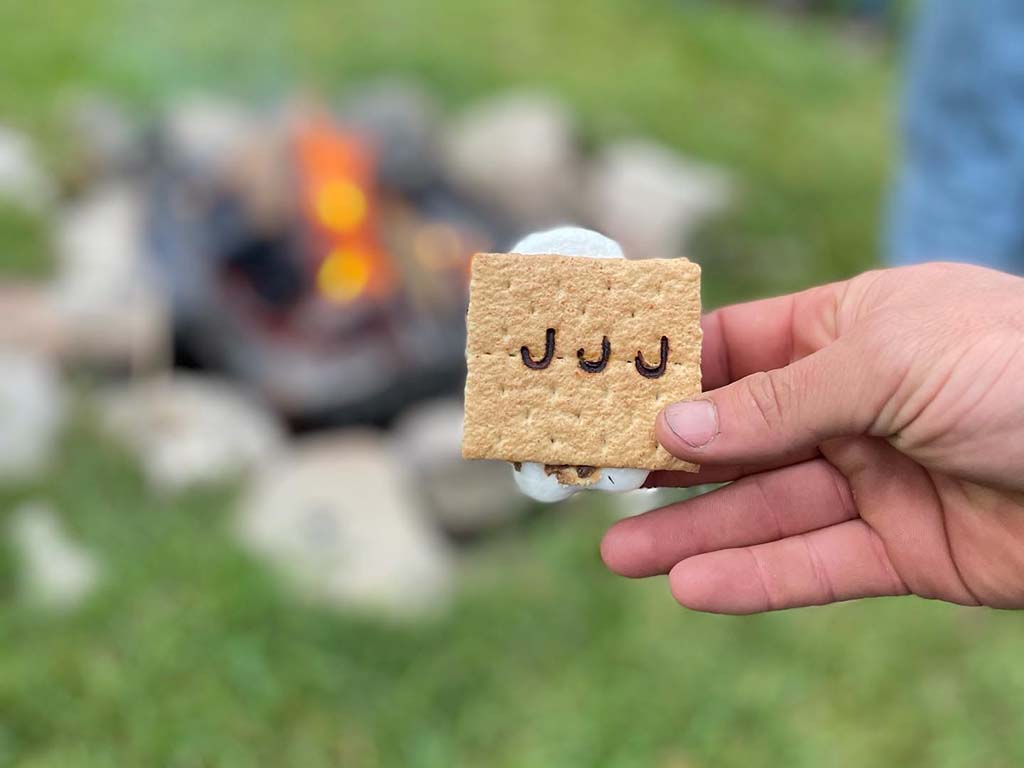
<point>595,366</point>
<point>549,352</point>
<point>653,372</point>
<point>598,365</point>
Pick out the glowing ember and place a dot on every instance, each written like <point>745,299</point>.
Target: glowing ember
<point>336,180</point>
<point>341,205</point>
<point>344,274</point>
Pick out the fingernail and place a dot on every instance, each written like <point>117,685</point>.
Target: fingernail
<point>694,422</point>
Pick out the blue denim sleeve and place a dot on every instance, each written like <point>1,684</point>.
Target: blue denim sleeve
<point>959,190</point>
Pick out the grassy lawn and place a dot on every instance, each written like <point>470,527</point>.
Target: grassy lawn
<point>24,243</point>
<point>190,655</point>
<point>801,116</point>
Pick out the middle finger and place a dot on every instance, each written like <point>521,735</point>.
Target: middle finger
<point>756,509</point>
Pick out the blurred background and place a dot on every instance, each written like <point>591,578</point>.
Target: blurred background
<point>234,525</point>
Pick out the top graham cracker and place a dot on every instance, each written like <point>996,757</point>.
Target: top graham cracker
<point>541,404</point>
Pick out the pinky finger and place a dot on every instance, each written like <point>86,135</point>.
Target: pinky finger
<point>841,562</point>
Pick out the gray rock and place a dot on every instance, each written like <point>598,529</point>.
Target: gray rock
<point>37,322</point>
<point>32,414</point>
<point>23,180</point>
<point>103,288</point>
<point>107,141</point>
<point>32,321</point>
<point>191,430</point>
<point>56,572</point>
<point>99,247</point>
<point>202,130</point>
<point>402,122</point>
<point>650,198</point>
<point>466,497</point>
<point>337,518</point>
<point>518,154</point>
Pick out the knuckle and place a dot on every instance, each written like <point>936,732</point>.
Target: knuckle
<point>769,511</point>
<point>771,599</point>
<point>767,394</point>
<point>823,591</point>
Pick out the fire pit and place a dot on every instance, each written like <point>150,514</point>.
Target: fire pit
<point>295,266</point>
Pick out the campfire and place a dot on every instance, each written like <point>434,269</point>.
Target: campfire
<point>300,270</point>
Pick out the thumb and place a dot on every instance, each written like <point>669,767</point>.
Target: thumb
<point>772,415</point>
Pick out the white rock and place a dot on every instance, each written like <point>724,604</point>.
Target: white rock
<point>23,182</point>
<point>466,497</point>
<point>56,572</point>
<point>337,519</point>
<point>32,414</point>
<point>107,141</point>
<point>136,336</point>
<point>650,198</point>
<point>531,477</point>
<point>190,430</point>
<point>202,130</point>
<point>103,287</point>
<point>518,154</point>
<point>32,321</point>
<point>99,248</point>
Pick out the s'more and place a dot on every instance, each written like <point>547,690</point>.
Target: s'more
<point>571,355</point>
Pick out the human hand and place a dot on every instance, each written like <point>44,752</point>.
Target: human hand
<point>875,432</point>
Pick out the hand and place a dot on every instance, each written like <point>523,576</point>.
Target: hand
<point>875,433</point>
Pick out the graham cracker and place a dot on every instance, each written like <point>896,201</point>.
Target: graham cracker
<point>561,414</point>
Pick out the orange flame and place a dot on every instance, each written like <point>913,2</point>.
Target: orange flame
<point>337,188</point>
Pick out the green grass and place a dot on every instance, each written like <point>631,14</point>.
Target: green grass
<point>800,116</point>
<point>24,243</point>
<point>192,655</point>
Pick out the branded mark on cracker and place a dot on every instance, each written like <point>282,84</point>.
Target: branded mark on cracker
<point>595,366</point>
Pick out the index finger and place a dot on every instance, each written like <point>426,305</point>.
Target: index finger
<point>742,339</point>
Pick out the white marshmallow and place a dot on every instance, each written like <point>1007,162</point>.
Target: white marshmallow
<point>620,480</point>
<point>532,479</point>
<point>539,485</point>
<point>570,241</point>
